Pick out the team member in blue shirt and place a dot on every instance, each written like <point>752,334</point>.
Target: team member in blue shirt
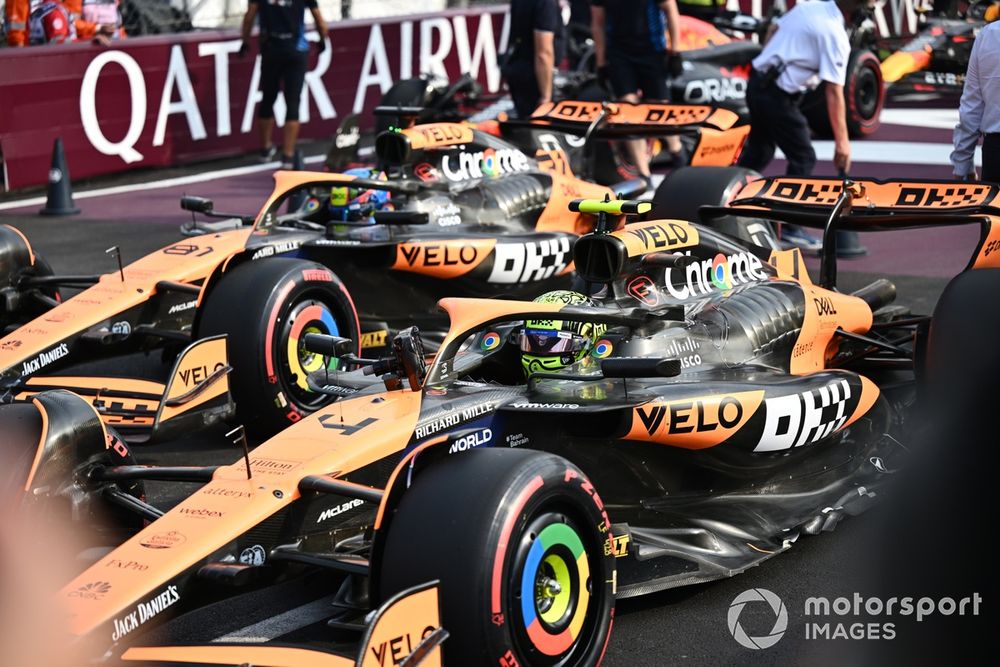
<point>283,56</point>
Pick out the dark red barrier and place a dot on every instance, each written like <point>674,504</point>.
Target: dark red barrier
<point>159,101</point>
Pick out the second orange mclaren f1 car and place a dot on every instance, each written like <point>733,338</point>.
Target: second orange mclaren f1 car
<point>463,213</point>
<point>699,405</point>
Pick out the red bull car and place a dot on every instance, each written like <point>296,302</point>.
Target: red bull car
<point>696,406</point>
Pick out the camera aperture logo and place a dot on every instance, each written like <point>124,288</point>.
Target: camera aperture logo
<point>855,617</point>
<point>780,618</point>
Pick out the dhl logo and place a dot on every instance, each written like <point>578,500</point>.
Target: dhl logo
<point>877,195</point>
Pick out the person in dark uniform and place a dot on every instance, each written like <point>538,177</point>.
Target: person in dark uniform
<point>283,59</point>
<point>634,56</point>
<point>805,47</point>
<point>537,43</point>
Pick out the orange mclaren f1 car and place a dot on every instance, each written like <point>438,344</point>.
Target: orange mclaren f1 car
<point>703,407</point>
<point>466,214</point>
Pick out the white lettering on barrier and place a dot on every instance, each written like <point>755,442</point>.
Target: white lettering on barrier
<point>177,76</point>
<point>221,52</point>
<point>484,50</point>
<point>431,60</point>
<point>438,38</point>
<point>374,54</point>
<point>125,148</point>
<point>315,86</point>
<point>406,50</point>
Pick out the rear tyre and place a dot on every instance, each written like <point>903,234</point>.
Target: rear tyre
<point>72,500</point>
<point>962,359</point>
<point>686,190</point>
<point>525,575</point>
<point>19,261</point>
<point>266,308</point>
<point>864,94</point>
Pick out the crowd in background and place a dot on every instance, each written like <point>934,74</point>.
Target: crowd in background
<point>154,17</point>
<point>37,22</point>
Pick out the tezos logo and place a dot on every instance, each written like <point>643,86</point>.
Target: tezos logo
<point>780,618</point>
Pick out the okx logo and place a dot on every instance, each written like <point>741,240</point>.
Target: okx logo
<point>780,618</point>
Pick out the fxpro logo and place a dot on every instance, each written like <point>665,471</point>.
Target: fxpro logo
<point>722,272</point>
<point>485,164</point>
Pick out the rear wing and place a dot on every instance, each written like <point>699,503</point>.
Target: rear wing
<point>720,138</point>
<point>871,205</point>
<point>874,204</point>
<point>623,119</point>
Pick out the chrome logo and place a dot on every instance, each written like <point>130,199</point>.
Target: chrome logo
<point>719,274</point>
<point>489,164</point>
<point>490,341</point>
<point>603,348</point>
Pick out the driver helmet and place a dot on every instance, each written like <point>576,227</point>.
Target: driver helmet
<point>552,345</point>
<point>349,204</point>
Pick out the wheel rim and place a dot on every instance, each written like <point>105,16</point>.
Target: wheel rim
<point>309,316</point>
<point>553,588</point>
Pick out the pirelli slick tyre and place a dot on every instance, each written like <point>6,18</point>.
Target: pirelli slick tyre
<point>864,95</point>
<point>525,576</point>
<point>72,499</point>
<point>21,424</point>
<point>961,360</point>
<point>686,190</point>
<point>17,261</point>
<point>266,308</point>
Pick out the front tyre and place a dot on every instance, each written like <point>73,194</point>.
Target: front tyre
<point>266,308</point>
<point>525,575</point>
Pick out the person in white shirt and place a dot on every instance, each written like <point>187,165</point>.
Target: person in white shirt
<point>805,47</point>
<point>979,110</point>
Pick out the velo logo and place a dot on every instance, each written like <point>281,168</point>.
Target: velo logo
<point>780,618</point>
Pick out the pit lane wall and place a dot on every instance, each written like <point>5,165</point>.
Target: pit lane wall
<point>178,99</point>
<point>173,100</point>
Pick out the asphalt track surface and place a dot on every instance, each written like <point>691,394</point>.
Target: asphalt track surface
<point>687,625</point>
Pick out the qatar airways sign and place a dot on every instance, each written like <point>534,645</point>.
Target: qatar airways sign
<point>159,101</point>
<point>437,39</point>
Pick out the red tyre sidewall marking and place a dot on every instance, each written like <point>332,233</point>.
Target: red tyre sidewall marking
<point>354,312</point>
<point>269,337</point>
<point>501,552</point>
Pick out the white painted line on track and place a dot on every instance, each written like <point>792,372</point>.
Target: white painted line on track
<point>939,119</point>
<point>891,152</point>
<point>282,624</point>
<point>164,183</point>
<point>862,151</point>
